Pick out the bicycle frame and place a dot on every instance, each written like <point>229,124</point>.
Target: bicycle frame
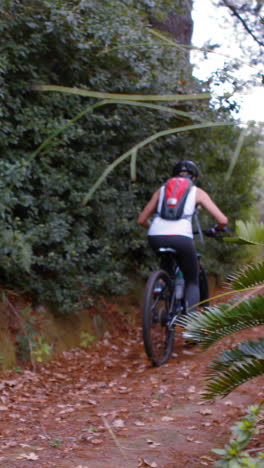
<point>176,307</point>
<point>164,303</point>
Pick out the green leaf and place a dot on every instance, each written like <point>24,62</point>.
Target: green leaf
<point>143,143</point>
<point>122,97</point>
<point>248,276</point>
<point>133,167</point>
<point>250,232</point>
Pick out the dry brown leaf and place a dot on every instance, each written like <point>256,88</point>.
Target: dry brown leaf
<point>123,390</point>
<point>31,456</point>
<point>205,411</point>
<point>92,402</point>
<point>139,423</point>
<point>143,463</point>
<point>3,408</point>
<point>191,389</point>
<point>96,441</point>
<point>152,443</point>
<point>206,424</point>
<point>118,423</point>
<point>205,457</point>
<point>228,403</point>
<point>167,419</point>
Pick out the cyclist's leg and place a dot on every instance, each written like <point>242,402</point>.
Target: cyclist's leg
<point>188,262</point>
<point>167,262</point>
<point>155,243</point>
<point>187,257</point>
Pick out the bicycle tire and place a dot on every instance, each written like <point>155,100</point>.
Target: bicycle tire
<point>204,287</point>
<point>157,337</point>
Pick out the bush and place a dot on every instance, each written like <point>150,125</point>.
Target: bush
<point>53,246</point>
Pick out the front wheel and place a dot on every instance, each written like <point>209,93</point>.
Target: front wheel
<point>157,336</point>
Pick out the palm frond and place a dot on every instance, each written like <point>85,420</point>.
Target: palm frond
<point>140,145</point>
<point>236,153</point>
<point>241,353</point>
<point>251,232</point>
<point>250,275</point>
<point>121,97</point>
<point>217,322</point>
<point>234,367</point>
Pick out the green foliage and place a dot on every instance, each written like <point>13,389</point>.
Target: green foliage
<point>42,350</point>
<point>245,361</point>
<point>30,343</point>
<point>56,442</point>
<point>52,245</point>
<point>242,362</point>
<point>234,367</point>
<point>233,454</point>
<point>248,276</point>
<point>86,339</point>
<point>250,232</point>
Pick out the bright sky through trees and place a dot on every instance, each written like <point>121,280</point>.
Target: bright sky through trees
<point>213,24</point>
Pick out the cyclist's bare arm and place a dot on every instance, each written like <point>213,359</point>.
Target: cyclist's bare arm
<point>149,209</point>
<point>203,199</point>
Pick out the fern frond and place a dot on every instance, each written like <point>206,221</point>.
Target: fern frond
<point>217,322</point>
<point>250,275</point>
<point>22,256</point>
<point>234,367</point>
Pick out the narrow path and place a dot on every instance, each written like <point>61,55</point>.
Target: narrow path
<point>107,408</point>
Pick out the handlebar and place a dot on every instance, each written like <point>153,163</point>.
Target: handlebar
<point>212,232</point>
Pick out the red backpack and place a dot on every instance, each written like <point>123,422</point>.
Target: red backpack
<point>174,196</point>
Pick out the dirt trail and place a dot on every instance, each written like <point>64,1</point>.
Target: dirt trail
<point>107,408</point>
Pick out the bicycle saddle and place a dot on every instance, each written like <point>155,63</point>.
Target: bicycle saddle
<point>167,249</point>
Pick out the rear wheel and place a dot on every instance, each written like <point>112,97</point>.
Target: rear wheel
<point>204,287</point>
<point>158,338</point>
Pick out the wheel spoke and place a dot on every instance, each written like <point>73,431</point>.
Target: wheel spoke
<point>158,337</point>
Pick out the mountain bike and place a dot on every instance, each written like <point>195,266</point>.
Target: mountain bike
<point>164,303</point>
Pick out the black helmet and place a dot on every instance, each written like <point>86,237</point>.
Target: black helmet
<point>186,166</point>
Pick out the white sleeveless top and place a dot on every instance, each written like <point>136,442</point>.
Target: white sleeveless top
<point>182,226</point>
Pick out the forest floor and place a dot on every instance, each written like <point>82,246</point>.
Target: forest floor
<point>106,407</point>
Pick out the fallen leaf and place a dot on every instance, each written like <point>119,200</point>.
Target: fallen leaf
<point>118,423</point>
<point>31,456</point>
<point>92,402</point>
<point>167,419</point>
<point>228,403</point>
<point>139,423</point>
<point>152,443</point>
<point>205,411</point>
<point>191,389</point>
<point>143,463</point>
<point>96,441</point>
<point>205,457</point>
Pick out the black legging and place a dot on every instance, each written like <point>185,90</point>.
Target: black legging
<point>188,263</point>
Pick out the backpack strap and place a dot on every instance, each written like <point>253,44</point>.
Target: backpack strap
<point>161,196</point>
<point>200,232</point>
